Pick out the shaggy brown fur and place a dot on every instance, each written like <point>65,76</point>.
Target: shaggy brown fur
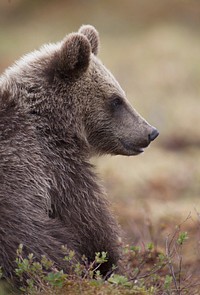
<point>58,106</point>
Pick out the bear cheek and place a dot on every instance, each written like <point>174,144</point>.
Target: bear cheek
<point>100,134</point>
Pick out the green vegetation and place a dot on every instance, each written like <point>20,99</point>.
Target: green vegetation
<point>142,271</point>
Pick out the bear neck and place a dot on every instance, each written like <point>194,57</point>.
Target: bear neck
<point>67,140</point>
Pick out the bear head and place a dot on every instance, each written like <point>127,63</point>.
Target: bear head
<point>67,84</point>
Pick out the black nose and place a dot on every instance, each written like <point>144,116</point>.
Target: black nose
<point>153,134</point>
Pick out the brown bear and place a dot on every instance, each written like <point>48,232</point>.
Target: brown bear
<point>59,106</point>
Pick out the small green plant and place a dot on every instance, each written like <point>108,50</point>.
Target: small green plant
<point>101,257</point>
<point>56,279</point>
<point>150,246</point>
<point>182,238</point>
<point>119,280</point>
<point>70,256</point>
<point>168,282</point>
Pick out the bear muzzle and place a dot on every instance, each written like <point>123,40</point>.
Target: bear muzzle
<point>137,147</point>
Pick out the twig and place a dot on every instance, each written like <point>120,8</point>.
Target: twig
<point>171,268</point>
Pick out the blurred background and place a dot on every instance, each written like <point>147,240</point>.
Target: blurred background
<point>153,49</point>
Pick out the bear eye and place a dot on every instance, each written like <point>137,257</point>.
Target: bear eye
<point>116,102</point>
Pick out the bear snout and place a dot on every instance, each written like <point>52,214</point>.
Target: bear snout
<point>136,145</point>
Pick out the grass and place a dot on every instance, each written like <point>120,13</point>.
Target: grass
<point>158,64</point>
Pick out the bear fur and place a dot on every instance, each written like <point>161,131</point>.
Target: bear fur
<point>58,107</point>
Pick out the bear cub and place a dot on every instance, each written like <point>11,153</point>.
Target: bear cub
<point>59,106</point>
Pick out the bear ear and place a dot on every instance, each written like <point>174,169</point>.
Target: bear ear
<point>92,35</point>
<point>74,54</point>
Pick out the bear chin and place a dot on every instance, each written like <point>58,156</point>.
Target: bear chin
<point>130,149</point>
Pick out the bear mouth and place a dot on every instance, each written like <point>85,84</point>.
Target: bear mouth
<point>131,148</point>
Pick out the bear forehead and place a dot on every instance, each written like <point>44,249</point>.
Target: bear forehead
<point>105,77</point>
